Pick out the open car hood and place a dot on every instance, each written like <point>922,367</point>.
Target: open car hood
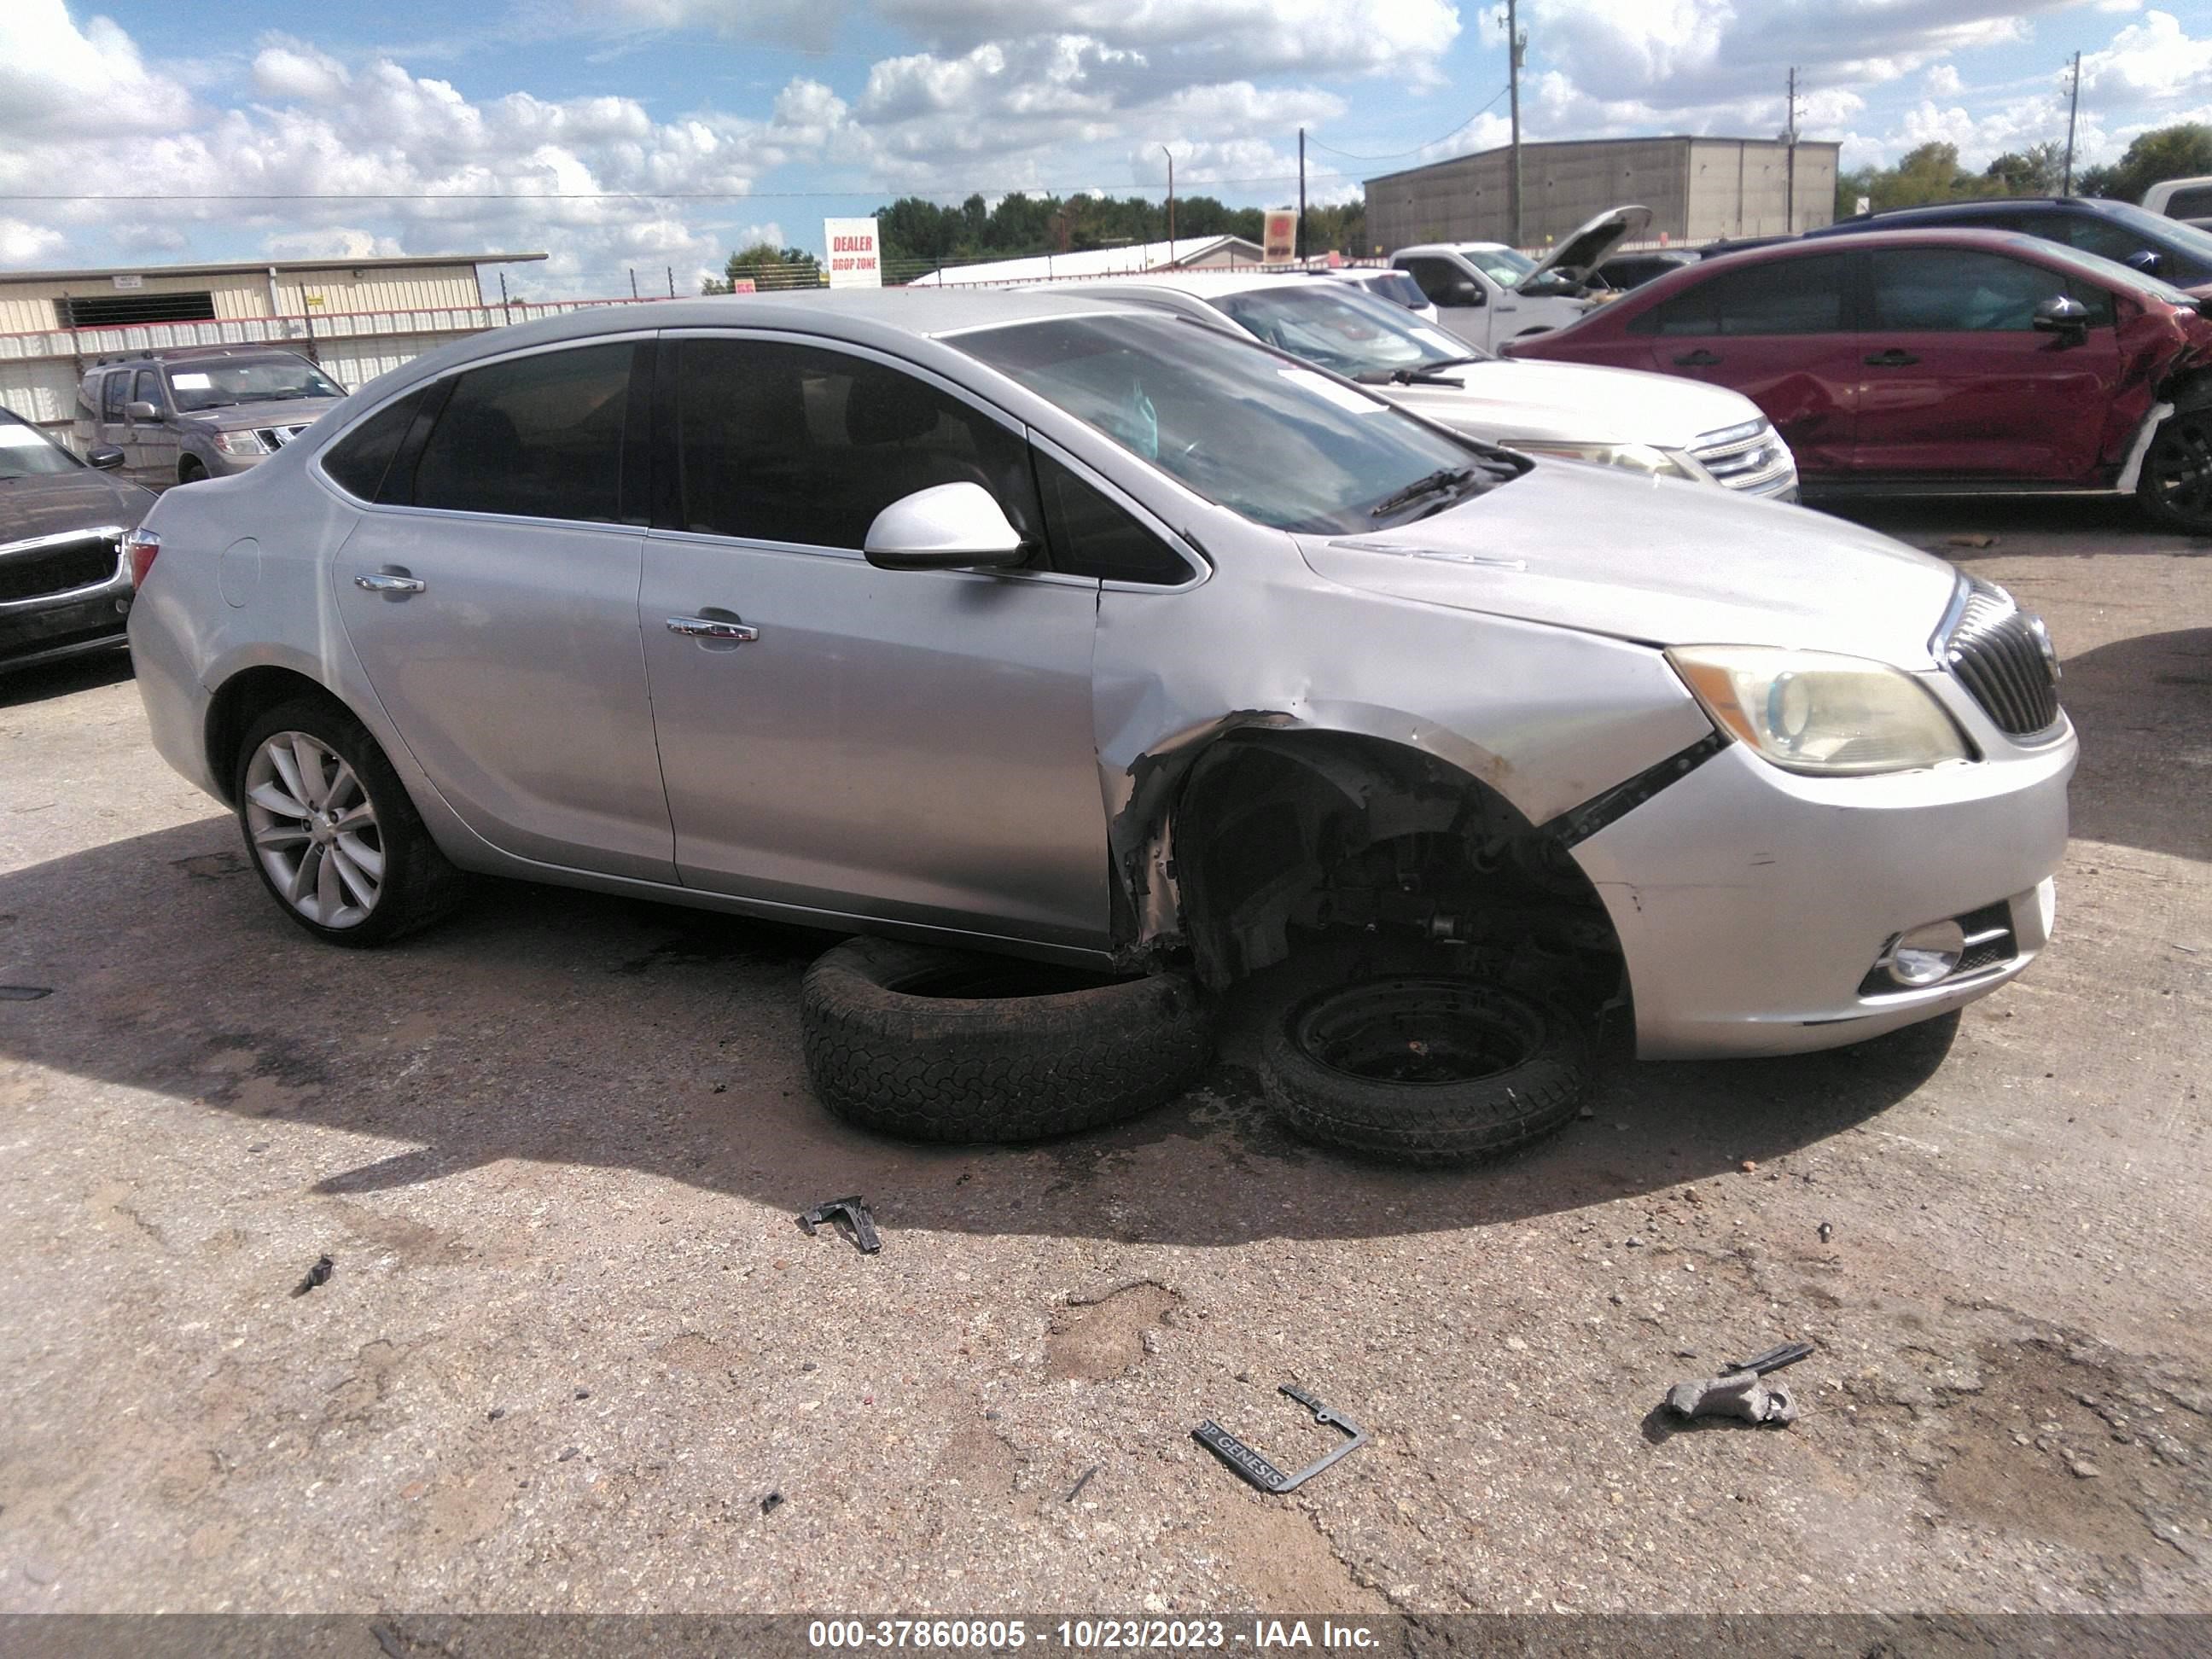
<point>1590,246</point>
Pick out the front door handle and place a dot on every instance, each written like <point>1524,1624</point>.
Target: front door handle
<point>1698,359</point>
<point>714,627</point>
<point>1892,358</point>
<point>389,581</point>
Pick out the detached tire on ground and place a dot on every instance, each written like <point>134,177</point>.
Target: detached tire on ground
<point>934,1044</point>
<point>1425,1068</point>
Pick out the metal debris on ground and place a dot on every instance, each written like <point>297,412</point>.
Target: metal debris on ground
<point>855,1211</point>
<point>1264,1475</point>
<point>1741,1390</point>
<point>1827,1232</point>
<point>772,1503</point>
<point>318,1274</point>
<point>1081,1481</point>
<point>24,992</point>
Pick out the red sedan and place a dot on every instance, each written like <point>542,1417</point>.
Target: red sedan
<point>1938,362</point>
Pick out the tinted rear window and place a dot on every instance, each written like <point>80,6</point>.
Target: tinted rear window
<point>539,437</point>
<point>358,461</point>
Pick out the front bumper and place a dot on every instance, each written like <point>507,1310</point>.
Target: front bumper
<point>1751,902</point>
<point>51,627</point>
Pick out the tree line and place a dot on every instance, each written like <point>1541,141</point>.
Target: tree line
<point>1932,171</point>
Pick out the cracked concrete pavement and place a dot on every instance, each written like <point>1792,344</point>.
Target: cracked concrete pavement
<point>573,1341</point>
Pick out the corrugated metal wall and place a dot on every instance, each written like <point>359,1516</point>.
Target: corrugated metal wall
<point>28,306</point>
<point>1690,184</point>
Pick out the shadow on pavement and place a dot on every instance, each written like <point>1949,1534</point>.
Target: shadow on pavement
<point>2051,526</point>
<point>58,679</point>
<point>2143,708</point>
<point>567,1027</point>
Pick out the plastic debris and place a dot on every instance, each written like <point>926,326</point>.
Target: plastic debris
<point>318,1274</point>
<point>855,1212</point>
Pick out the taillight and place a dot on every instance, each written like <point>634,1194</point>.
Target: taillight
<point>142,545</point>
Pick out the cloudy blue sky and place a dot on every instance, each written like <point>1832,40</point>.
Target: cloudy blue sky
<point>651,134</point>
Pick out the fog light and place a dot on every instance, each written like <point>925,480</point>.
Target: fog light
<point>1926,954</point>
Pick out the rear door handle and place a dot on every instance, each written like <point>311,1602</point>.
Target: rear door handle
<point>1892,358</point>
<point>390,582</point>
<point>1697,359</point>
<point>713,628</point>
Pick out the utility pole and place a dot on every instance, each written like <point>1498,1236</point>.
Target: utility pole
<point>1169,153</point>
<point>1516,46</point>
<point>1789,146</point>
<point>2073,109</point>
<point>1300,250</point>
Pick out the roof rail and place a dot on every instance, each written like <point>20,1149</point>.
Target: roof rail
<point>169,354</point>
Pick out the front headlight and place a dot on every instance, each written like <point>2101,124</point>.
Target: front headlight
<point>246,442</point>
<point>1635,457</point>
<point>1808,711</point>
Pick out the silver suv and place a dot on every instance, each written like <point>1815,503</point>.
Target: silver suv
<point>199,411</point>
<point>1051,626</point>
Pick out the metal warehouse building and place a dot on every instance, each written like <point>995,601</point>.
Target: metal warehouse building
<point>357,317</point>
<point>1698,190</point>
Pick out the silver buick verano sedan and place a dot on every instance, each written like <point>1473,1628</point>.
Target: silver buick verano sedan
<point>1041,625</point>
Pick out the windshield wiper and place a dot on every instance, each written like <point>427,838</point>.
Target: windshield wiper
<point>1438,483</point>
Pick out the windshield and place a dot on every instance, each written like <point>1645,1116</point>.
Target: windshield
<point>1503,265</point>
<point>1394,286</point>
<point>2158,229</point>
<point>1278,443</point>
<point>25,453</point>
<point>219,384</point>
<point>2113,274</point>
<point>1353,333</point>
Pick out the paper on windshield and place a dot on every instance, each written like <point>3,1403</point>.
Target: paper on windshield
<point>19,437</point>
<point>1342,396</point>
<point>192,382</point>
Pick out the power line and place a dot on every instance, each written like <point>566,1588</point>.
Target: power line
<point>1397,154</point>
<point>890,191</point>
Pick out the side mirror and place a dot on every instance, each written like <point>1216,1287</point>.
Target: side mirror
<point>106,458</point>
<point>952,526</point>
<point>2145,259</point>
<point>2067,319</point>
<point>141,411</point>
<point>1464,291</point>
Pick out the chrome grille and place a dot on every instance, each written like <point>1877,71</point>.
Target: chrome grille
<point>274,438</point>
<point>54,565</point>
<point>2003,658</point>
<point>1751,458</point>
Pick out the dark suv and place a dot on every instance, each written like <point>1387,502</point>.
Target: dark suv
<point>2150,242</point>
<point>64,581</point>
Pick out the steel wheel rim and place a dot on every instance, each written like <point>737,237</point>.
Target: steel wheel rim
<point>2181,466</point>
<point>1417,1032</point>
<point>315,830</point>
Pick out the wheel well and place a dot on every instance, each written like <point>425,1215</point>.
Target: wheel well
<point>241,700</point>
<point>1286,840</point>
<point>188,470</point>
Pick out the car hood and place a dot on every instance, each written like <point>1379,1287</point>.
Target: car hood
<point>1588,246</point>
<point>1531,401</point>
<point>1658,560</point>
<point>55,503</point>
<point>280,411</point>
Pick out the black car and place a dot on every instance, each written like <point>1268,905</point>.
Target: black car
<point>2150,242</point>
<point>65,585</point>
<point>1626,271</point>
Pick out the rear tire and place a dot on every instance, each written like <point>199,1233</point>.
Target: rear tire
<point>1425,1068</point>
<point>189,470</point>
<point>2175,487</point>
<point>330,831</point>
<point>934,1044</point>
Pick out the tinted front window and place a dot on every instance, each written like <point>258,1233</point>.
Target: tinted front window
<point>26,454</point>
<point>147,389</point>
<point>220,382</point>
<point>1783,296</point>
<point>1436,278</point>
<point>1396,287</point>
<point>1957,290</point>
<point>2183,245</point>
<point>1091,536</point>
<point>540,437</point>
<point>1275,441</point>
<point>2100,236</point>
<point>790,443</point>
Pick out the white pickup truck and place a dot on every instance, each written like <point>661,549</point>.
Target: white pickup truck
<point>1487,293</point>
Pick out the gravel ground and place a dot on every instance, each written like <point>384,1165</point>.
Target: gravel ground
<point>574,1349</point>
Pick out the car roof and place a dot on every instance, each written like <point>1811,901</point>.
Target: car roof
<point>1454,248</point>
<point>1976,207</point>
<point>1993,242</point>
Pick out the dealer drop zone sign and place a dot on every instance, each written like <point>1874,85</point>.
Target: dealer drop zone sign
<point>854,256</point>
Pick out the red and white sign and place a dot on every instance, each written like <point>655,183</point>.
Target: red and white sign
<point>1280,244</point>
<point>854,252</point>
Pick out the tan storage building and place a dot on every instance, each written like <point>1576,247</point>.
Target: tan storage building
<point>1699,189</point>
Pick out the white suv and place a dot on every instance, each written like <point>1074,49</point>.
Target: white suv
<point>1487,293</point>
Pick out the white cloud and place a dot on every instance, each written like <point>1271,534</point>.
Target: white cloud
<point>792,22</point>
<point>55,77</point>
<point>2152,62</point>
<point>1942,81</point>
<point>291,69</point>
<point>335,243</point>
<point>22,244</point>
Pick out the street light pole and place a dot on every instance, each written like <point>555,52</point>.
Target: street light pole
<point>1515,44</point>
<point>2073,109</point>
<point>1169,153</point>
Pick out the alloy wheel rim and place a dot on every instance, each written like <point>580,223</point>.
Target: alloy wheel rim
<point>315,830</point>
<point>2183,467</point>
